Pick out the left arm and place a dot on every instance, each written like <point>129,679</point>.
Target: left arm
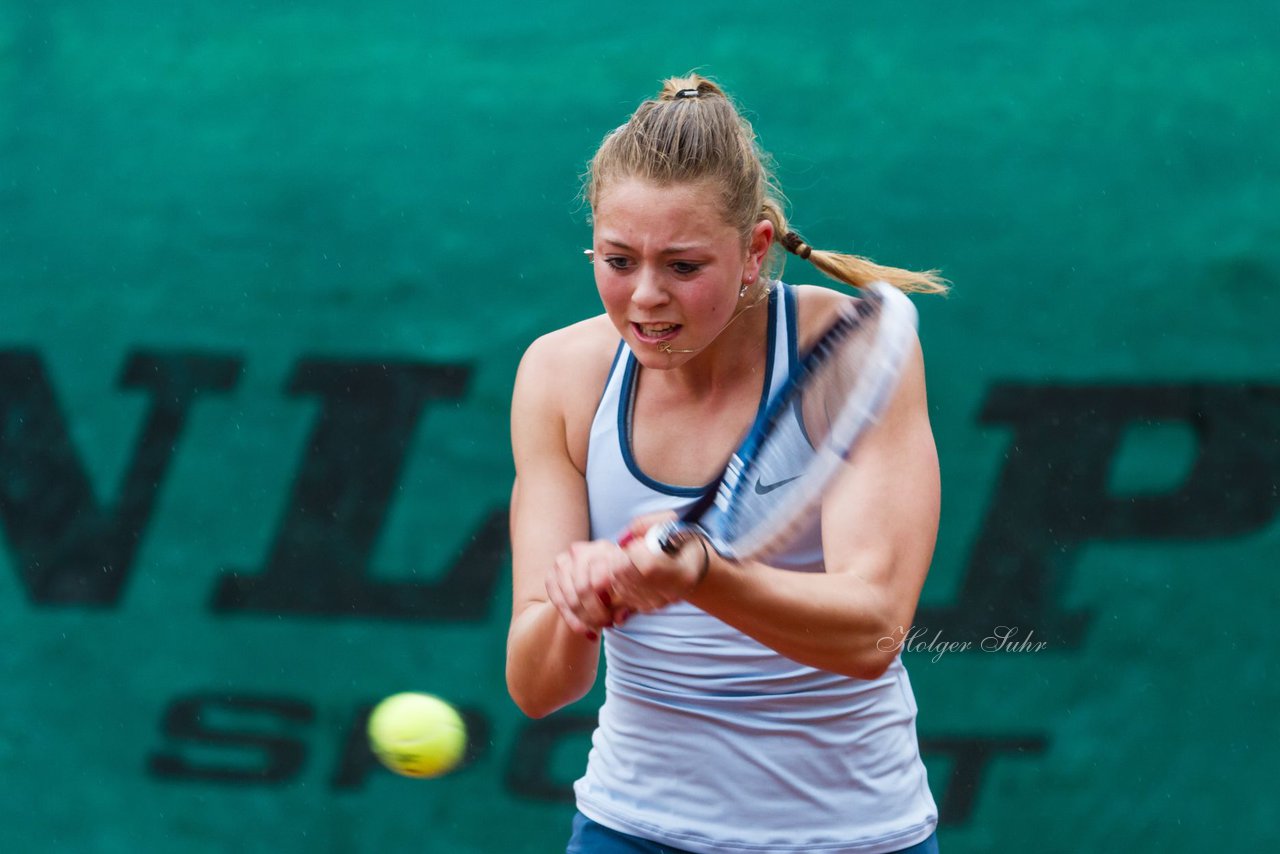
<point>879,528</point>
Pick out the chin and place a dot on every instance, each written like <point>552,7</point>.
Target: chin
<point>652,358</point>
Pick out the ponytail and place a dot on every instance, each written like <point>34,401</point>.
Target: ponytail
<point>852,270</point>
<point>693,132</point>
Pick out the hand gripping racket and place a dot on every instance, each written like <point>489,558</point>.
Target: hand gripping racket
<point>809,430</point>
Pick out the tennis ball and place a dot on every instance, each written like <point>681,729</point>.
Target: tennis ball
<point>417,735</point>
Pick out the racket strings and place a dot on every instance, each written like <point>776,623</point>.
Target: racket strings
<point>834,395</point>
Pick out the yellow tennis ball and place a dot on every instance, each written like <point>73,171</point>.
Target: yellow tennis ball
<point>417,735</point>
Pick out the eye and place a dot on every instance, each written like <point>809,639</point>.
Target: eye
<point>617,262</point>
<point>686,268</point>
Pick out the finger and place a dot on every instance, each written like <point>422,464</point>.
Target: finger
<point>556,595</point>
<point>616,588</point>
<point>589,585</point>
<point>648,564</point>
<point>564,595</point>
<point>640,525</point>
<point>634,590</point>
<point>668,577</point>
<point>606,571</point>
<point>553,584</point>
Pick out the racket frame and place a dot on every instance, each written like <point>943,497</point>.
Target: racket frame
<point>870,396</point>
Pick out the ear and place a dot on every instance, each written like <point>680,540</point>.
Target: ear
<point>758,247</point>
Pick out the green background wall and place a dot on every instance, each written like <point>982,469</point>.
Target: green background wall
<point>266,271</point>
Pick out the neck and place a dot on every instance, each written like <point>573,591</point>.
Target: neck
<point>737,347</point>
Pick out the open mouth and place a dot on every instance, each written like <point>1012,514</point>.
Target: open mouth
<point>655,333</point>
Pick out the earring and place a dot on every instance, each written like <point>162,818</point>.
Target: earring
<point>591,256</point>
<point>746,284</point>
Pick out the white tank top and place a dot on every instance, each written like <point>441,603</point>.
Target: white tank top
<point>710,741</point>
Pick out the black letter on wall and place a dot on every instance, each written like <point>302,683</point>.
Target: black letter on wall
<point>1052,496</point>
<point>319,561</point>
<point>529,773</point>
<point>970,755</point>
<point>70,549</point>
<point>273,758</point>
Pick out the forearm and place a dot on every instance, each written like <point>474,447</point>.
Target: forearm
<point>879,530</point>
<point>833,622</point>
<point>548,665</point>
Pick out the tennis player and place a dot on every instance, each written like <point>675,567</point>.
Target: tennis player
<point>749,708</point>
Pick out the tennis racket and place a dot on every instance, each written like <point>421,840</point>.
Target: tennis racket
<point>808,432</point>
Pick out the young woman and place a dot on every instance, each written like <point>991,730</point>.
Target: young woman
<point>749,708</point>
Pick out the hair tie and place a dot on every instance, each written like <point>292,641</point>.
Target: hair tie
<point>795,244</point>
<point>687,93</point>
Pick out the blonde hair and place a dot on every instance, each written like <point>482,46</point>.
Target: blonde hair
<point>693,133</point>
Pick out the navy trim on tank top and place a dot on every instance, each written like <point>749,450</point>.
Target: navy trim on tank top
<point>617,354</point>
<point>793,355</point>
<point>626,399</point>
<point>793,340</point>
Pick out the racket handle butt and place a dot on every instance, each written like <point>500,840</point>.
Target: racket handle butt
<point>668,538</point>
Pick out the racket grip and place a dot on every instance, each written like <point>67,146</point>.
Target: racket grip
<point>669,537</point>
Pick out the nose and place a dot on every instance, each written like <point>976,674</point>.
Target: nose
<point>650,291</point>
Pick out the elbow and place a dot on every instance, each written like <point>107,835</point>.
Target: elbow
<point>860,664</point>
<point>532,697</point>
<point>527,701</point>
<point>871,667</point>
<point>874,654</point>
<point>541,682</point>
<point>532,707</point>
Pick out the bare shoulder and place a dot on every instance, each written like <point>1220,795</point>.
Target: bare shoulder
<point>560,379</point>
<point>816,310</point>
<point>571,360</point>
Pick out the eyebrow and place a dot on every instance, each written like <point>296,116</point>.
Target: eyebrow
<point>670,250</point>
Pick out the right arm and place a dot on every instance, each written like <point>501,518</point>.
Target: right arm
<point>550,663</point>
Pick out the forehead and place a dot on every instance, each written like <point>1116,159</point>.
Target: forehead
<point>638,209</point>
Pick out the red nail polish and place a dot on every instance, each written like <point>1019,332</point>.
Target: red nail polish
<point>592,636</point>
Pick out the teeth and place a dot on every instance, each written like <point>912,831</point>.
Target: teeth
<point>657,330</point>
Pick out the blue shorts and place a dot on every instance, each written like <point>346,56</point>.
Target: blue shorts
<point>592,838</point>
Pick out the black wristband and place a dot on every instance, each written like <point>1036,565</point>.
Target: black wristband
<point>706,564</point>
